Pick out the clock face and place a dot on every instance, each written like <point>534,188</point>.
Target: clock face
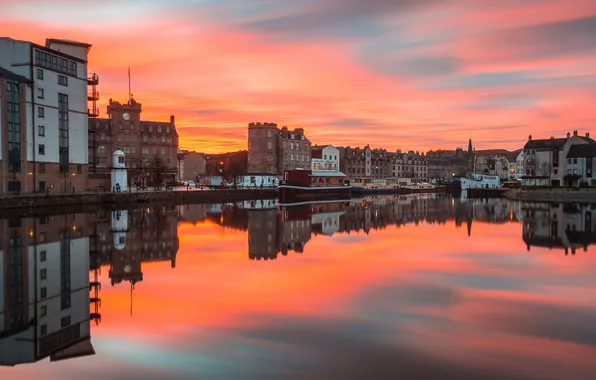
<point>126,116</point>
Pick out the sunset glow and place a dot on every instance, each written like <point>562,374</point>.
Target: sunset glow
<point>403,74</point>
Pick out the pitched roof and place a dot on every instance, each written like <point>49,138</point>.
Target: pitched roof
<point>582,151</point>
<point>497,152</point>
<point>545,143</point>
<point>553,143</point>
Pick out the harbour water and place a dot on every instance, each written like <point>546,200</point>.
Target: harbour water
<point>412,287</point>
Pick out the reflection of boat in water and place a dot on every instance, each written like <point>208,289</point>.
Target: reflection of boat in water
<point>306,185</point>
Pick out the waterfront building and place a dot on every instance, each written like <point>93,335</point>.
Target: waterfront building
<point>227,165</point>
<point>48,96</point>
<point>412,165</point>
<point>553,162</point>
<point>325,158</point>
<point>365,163</point>
<point>496,161</point>
<point>191,165</point>
<point>151,147</point>
<point>444,165</point>
<point>272,149</point>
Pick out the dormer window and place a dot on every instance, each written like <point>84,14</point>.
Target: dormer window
<point>167,129</point>
<point>159,129</point>
<point>150,128</point>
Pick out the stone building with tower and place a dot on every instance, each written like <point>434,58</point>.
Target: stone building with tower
<point>272,149</point>
<point>150,147</point>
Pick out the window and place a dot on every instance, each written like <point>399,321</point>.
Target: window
<point>42,237</point>
<point>42,256</point>
<point>44,311</point>
<point>41,130</point>
<point>40,93</point>
<point>44,292</point>
<point>150,128</point>
<point>40,112</point>
<point>44,330</point>
<point>65,321</point>
<point>62,80</point>
<point>167,129</point>
<point>134,149</point>
<point>40,74</point>
<point>159,129</point>
<point>43,274</point>
<point>163,150</point>
<point>575,161</point>
<point>41,149</point>
<point>79,169</point>
<point>269,145</point>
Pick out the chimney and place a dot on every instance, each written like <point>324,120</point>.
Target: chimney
<point>588,134</point>
<point>530,137</point>
<point>568,135</point>
<point>172,119</point>
<point>575,133</point>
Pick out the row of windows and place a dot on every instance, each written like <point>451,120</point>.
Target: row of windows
<point>55,63</point>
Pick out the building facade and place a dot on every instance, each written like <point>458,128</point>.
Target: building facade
<point>192,166</point>
<point>44,128</point>
<point>547,162</point>
<point>325,158</point>
<point>151,147</point>
<point>411,165</point>
<point>272,149</point>
<point>363,163</point>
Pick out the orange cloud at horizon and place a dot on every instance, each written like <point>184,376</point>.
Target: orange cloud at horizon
<point>419,77</point>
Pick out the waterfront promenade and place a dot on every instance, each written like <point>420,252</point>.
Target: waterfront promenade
<point>33,204</point>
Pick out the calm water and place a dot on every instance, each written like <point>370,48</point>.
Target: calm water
<point>383,287</point>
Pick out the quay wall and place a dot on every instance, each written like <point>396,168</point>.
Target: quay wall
<point>88,202</point>
<point>552,196</point>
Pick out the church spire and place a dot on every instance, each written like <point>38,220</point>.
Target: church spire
<point>470,150</point>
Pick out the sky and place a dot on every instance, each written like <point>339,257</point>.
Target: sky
<point>395,74</point>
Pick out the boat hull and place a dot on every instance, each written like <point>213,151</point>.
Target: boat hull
<point>295,194</point>
<point>364,190</point>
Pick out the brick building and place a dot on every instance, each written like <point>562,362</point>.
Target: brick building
<point>365,162</point>
<point>411,165</point>
<point>151,147</point>
<point>272,149</point>
<point>228,165</point>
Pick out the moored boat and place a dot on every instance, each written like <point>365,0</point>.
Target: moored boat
<point>307,185</point>
<point>480,181</point>
<point>409,186</point>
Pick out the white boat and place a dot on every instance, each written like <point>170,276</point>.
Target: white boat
<point>410,185</point>
<point>481,181</point>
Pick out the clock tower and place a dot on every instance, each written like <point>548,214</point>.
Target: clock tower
<point>124,117</point>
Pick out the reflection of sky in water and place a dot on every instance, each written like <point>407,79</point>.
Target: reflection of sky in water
<point>423,301</point>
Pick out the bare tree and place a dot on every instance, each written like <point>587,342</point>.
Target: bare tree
<point>157,168</point>
<point>544,169</point>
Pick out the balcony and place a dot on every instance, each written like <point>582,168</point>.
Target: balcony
<point>93,111</point>
<point>93,95</point>
<point>93,79</point>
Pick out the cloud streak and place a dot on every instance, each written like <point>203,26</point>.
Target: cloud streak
<point>395,74</point>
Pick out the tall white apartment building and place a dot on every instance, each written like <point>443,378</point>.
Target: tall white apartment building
<point>44,95</point>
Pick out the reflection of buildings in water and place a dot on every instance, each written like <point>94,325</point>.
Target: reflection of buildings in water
<point>568,226</point>
<point>290,228</point>
<point>47,299</point>
<point>44,297</point>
